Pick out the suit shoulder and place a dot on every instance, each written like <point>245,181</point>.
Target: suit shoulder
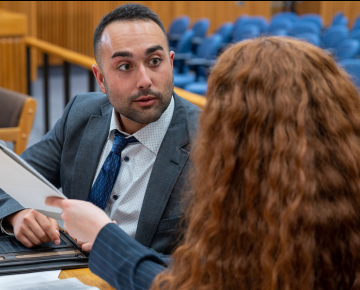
<point>90,103</point>
<point>89,98</point>
<point>192,111</point>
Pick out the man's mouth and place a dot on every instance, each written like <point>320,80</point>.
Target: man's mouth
<point>145,101</point>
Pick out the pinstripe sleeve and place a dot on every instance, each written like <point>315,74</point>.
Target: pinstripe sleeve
<point>123,262</point>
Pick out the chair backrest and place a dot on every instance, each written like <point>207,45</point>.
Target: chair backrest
<point>201,27</point>
<point>356,23</point>
<point>280,23</point>
<point>17,112</point>
<point>246,31</point>
<point>285,15</point>
<point>334,35</point>
<point>239,21</point>
<point>260,21</point>
<point>347,49</point>
<point>208,49</point>
<point>179,25</point>
<point>279,32</point>
<point>225,30</point>
<point>310,37</point>
<point>352,67</point>
<point>314,18</point>
<point>340,19</point>
<point>184,44</point>
<point>355,34</point>
<point>304,27</point>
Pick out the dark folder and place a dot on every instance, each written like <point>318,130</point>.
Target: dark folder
<point>15,258</point>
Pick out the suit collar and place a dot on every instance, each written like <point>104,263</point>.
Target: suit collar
<point>168,165</point>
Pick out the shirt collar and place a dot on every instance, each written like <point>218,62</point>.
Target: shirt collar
<point>151,135</point>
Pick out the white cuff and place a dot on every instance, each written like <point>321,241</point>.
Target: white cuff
<point>6,231</point>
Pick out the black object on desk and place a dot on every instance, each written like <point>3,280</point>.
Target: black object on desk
<point>15,258</point>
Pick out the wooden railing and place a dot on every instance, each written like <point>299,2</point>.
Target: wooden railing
<point>69,57</point>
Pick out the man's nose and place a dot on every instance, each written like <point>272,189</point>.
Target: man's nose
<point>144,80</point>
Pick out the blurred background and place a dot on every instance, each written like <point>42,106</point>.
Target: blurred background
<point>46,48</point>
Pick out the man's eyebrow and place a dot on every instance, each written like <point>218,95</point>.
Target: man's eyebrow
<point>153,49</point>
<point>122,54</point>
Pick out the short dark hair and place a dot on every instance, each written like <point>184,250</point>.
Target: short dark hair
<point>126,12</point>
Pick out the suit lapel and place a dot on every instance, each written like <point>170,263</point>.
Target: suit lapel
<point>89,152</point>
<point>168,165</point>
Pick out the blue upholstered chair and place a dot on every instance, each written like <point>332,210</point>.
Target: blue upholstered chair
<point>312,17</point>
<point>239,21</point>
<point>346,49</point>
<point>205,57</point>
<point>280,23</point>
<point>285,15</point>
<point>339,19</point>
<point>279,32</point>
<point>333,36</point>
<point>352,67</point>
<point>304,27</point>
<point>355,34</point>
<point>200,28</point>
<point>183,51</point>
<point>259,21</point>
<point>310,37</point>
<point>177,28</point>
<point>356,24</point>
<point>245,31</point>
<point>225,30</point>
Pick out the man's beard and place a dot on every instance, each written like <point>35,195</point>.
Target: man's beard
<point>146,115</point>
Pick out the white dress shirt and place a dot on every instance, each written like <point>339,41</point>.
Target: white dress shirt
<point>137,161</point>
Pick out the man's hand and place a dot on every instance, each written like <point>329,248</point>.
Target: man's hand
<point>33,228</point>
<point>82,219</point>
<point>84,245</point>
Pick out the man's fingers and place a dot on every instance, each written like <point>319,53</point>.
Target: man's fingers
<point>48,227</point>
<point>54,201</point>
<point>32,237</point>
<point>39,232</point>
<point>25,241</point>
<point>86,247</point>
<point>80,243</point>
<point>54,224</point>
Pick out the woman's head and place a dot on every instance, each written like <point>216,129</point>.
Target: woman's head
<point>277,178</point>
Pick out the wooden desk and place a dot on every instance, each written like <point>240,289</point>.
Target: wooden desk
<point>85,276</point>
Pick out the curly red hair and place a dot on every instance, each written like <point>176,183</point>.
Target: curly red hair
<point>277,180</point>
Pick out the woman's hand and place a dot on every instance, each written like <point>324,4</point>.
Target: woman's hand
<point>82,219</point>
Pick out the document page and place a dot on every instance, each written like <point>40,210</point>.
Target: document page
<point>22,182</point>
<point>72,283</point>
<point>30,278</point>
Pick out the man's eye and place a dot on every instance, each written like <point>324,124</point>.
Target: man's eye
<point>155,61</point>
<point>124,67</point>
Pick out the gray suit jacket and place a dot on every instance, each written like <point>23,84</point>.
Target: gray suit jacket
<point>69,153</point>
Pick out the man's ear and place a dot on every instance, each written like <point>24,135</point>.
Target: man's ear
<point>99,77</point>
<point>172,54</point>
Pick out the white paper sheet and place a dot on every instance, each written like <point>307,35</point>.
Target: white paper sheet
<point>25,184</point>
<point>72,283</point>
<point>21,279</point>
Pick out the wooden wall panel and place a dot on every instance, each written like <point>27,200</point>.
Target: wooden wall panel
<point>71,24</point>
<point>327,9</point>
<point>12,50</point>
<point>29,9</point>
<point>12,59</point>
<point>350,8</point>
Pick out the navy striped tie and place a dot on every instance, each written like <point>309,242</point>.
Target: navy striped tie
<point>101,190</point>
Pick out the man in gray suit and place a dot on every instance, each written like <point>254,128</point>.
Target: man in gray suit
<point>135,75</point>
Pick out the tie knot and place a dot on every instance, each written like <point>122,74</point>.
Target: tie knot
<point>120,142</point>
